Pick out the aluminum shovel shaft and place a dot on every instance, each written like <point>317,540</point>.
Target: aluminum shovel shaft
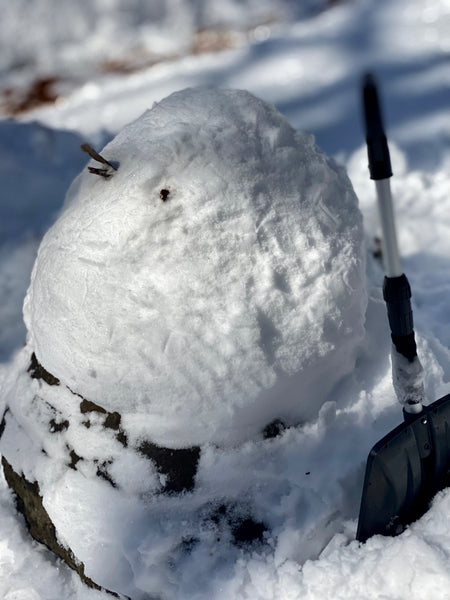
<point>391,256</point>
<point>396,288</point>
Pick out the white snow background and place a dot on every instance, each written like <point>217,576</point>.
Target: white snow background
<point>308,63</point>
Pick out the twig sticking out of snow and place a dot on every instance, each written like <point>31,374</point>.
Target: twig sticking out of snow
<point>108,171</point>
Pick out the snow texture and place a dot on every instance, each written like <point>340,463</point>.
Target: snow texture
<point>204,316</point>
<point>305,484</point>
<point>92,37</point>
<point>407,377</point>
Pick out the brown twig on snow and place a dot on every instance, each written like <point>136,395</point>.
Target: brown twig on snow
<point>106,173</point>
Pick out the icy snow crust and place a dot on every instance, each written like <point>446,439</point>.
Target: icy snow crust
<point>203,317</point>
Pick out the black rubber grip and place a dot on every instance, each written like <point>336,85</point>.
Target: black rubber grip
<point>377,146</point>
<point>397,295</point>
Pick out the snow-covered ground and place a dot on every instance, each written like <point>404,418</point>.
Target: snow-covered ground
<point>309,65</point>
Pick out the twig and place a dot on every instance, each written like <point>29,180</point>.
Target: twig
<point>106,173</point>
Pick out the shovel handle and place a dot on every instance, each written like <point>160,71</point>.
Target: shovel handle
<point>396,288</point>
<point>381,171</point>
<point>397,295</point>
<point>391,256</point>
<point>377,146</point>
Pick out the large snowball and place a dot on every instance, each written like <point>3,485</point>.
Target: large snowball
<point>238,300</point>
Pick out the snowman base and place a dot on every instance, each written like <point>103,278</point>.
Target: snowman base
<point>177,467</point>
<point>29,504</point>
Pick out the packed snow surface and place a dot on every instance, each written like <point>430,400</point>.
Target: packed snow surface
<point>206,286</point>
<point>305,484</point>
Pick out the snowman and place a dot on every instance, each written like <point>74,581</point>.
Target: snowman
<point>202,289</point>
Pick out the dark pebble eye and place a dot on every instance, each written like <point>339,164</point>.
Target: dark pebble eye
<point>164,194</point>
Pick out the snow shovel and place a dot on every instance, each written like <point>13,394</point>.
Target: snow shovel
<point>410,464</point>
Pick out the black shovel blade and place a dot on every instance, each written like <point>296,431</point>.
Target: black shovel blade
<point>405,470</point>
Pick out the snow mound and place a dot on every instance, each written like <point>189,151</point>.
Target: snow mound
<point>213,284</point>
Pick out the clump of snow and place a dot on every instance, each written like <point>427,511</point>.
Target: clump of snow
<point>407,378</point>
<point>203,312</point>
